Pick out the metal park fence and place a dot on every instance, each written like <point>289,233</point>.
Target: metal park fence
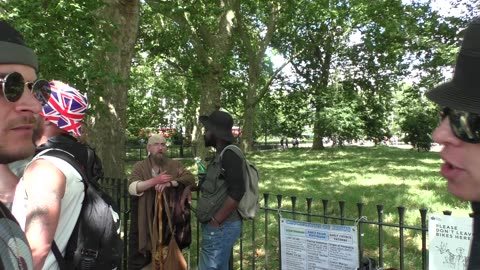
<point>259,246</point>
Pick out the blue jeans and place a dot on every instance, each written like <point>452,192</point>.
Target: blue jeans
<point>217,244</point>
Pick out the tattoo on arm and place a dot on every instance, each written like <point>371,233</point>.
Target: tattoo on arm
<point>39,215</point>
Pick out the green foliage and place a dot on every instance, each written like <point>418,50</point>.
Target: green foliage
<point>163,91</point>
<point>268,118</point>
<point>348,57</point>
<point>68,46</point>
<point>417,127</point>
<point>340,116</point>
<point>418,118</point>
<point>294,112</point>
<point>392,39</point>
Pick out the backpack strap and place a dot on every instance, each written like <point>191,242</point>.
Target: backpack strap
<point>70,159</point>
<point>235,149</point>
<point>58,256</point>
<point>239,152</point>
<point>66,156</point>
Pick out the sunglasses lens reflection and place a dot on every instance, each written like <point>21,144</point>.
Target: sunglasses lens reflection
<point>465,125</point>
<point>41,90</point>
<point>14,86</point>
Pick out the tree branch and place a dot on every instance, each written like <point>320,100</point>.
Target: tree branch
<point>266,87</point>
<point>271,27</point>
<point>242,32</point>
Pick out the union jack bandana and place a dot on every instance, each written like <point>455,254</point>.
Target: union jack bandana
<point>65,108</point>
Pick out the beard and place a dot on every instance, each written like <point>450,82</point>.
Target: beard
<point>209,140</point>
<point>37,132</point>
<point>159,160</point>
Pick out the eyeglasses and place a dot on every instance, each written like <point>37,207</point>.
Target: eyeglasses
<point>464,125</point>
<point>13,87</point>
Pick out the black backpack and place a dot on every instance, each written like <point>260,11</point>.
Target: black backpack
<point>95,242</point>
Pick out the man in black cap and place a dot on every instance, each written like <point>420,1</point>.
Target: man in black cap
<point>20,99</point>
<point>222,189</point>
<point>459,130</point>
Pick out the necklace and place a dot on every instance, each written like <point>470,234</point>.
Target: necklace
<point>22,264</point>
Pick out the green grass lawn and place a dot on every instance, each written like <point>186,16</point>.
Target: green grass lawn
<point>371,175</point>
<point>380,175</point>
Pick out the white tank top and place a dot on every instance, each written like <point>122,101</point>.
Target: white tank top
<point>70,209</point>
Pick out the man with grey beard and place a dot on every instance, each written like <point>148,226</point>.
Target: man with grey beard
<point>156,174</point>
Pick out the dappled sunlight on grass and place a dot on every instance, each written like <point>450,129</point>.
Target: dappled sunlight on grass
<point>375,180</point>
<point>388,176</point>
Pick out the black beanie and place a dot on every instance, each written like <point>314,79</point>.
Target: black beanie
<point>13,49</point>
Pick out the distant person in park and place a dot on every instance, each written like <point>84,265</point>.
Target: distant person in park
<point>281,142</point>
<point>221,223</point>
<point>156,174</point>
<point>49,197</point>
<point>286,142</point>
<point>20,100</point>
<point>459,130</point>
<point>295,142</point>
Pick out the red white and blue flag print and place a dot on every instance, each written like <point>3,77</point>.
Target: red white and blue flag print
<point>66,107</point>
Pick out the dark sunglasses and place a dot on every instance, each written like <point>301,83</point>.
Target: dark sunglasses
<point>464,125</point>
<point>13,87</point>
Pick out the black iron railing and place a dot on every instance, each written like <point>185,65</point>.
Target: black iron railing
<point>259,245</point>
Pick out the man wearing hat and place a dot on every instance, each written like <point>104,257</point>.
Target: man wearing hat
<point>222,189</point>
<point>156,174</point>
<point>49,197</point>
<point>21,97</point>
<point>459,130</point>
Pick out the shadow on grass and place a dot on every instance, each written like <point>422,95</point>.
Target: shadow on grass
<point>380,175</point>
<point>389,176</point>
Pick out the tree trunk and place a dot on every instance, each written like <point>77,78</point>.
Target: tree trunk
<point>318,133</point>
<point>108,122</point>
<point>209,102</point>
<point>248,126</point>
<point>251,101</point>
<point>317,136</point>
<point>255,48</point>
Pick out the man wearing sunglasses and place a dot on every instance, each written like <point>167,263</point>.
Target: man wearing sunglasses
<point>20,100</point>
<point>459,130</point>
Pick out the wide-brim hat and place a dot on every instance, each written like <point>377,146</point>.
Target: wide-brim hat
<point>463,91</point>
<point>220,124</point>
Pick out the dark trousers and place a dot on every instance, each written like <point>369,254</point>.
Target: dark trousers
<point>136,259</point>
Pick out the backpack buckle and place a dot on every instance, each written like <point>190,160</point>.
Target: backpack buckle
<point>89,253</point>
